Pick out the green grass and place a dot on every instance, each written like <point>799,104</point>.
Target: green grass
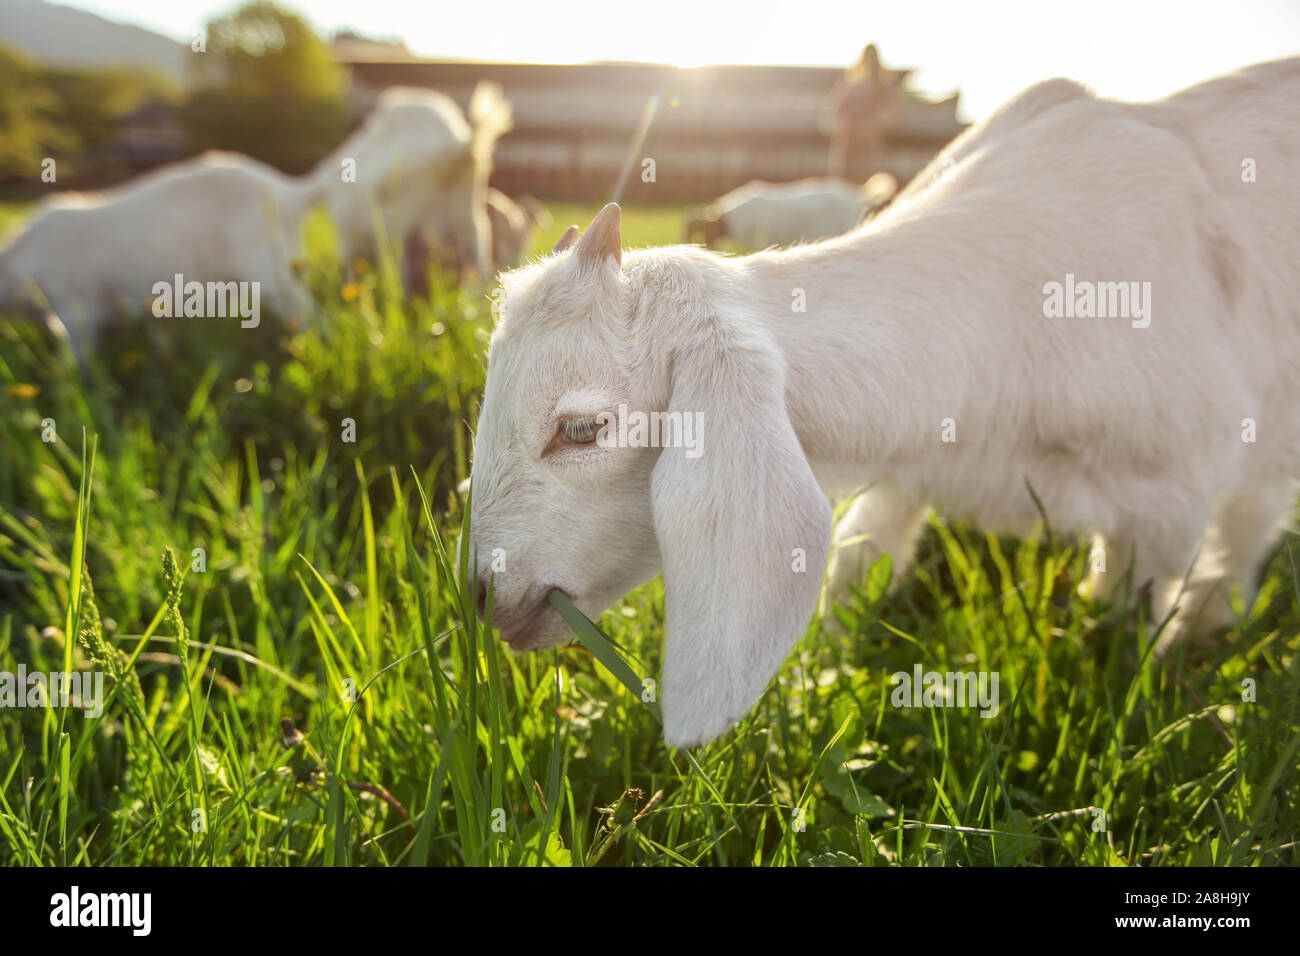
<point>322,693</point>
<point>12,213</point>
<point>642,225</point>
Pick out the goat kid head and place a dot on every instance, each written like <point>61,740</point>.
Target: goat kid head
<point>565,497</point>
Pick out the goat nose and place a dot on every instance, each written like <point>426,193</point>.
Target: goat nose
<point>482,597</point>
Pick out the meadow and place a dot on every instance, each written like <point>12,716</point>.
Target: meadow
<point>295,675</point>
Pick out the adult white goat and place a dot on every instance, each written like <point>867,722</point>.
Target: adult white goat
<point>935,321</point>
<point>760,214</point>
<point>415,161</point>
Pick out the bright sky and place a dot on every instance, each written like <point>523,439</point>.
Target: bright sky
<point>1133,49</point>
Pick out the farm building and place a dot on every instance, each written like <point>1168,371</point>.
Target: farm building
<point>710,129</point>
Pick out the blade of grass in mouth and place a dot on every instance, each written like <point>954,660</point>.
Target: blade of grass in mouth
<point>601,648</point>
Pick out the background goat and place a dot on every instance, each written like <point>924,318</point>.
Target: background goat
<point>762,214</point>
<point>511,225</point>
<point>224,216</point>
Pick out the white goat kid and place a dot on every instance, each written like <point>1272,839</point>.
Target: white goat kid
<point>932,319</point>
<point>86,257</point>
<point>224,217</point>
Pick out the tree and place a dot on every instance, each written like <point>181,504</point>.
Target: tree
<point>93,103</point>
<point>269,87</point>
<point>73,116</point>
<point>29,119</point>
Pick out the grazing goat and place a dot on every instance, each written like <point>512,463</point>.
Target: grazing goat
<point>511,226</point>
<point>224,217</point>
<point>762,214</point>
<point>941,356</point>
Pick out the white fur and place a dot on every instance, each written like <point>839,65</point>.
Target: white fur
<point>932,311</point>
<point>224,216</point>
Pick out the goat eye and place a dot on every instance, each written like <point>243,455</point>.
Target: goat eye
<point>578,431</point>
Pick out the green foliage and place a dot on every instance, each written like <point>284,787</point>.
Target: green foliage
<point>12,214</point>
<point>319,691</point>
<point>29,120</point>
<point>72,116</point>
<point>269,87</point>
<point>93,104</point>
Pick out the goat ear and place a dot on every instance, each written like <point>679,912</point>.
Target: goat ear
<point>744,531</point>
<point>565,241</point>
<point>603,237</point>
